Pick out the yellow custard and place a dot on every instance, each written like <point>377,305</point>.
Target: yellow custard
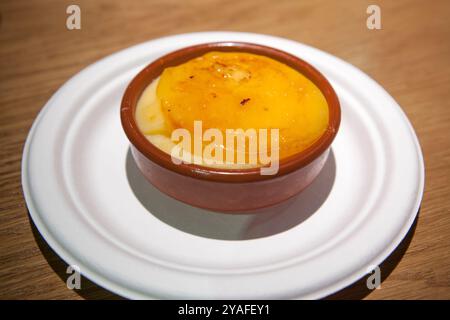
<point>231,90</point>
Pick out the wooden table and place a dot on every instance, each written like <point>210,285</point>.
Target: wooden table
<point>409,56</point>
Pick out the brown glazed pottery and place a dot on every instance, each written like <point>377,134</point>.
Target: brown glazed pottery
<point>227,190</point>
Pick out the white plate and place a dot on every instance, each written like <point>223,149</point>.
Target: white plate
<point>96,211</point>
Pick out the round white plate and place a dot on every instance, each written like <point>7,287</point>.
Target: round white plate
<point>96,211</point>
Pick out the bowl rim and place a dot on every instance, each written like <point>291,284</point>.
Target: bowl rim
<point>286,165</point>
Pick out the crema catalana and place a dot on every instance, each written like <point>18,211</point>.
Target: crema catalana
<point>232,110</point>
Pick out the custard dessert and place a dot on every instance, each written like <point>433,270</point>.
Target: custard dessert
<point>224,91</point>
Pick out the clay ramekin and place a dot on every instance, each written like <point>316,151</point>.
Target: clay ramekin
<point>221,189</point>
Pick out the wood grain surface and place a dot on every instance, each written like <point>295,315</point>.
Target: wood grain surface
<point>409,57</point>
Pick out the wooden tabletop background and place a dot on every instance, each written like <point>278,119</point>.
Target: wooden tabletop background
<point>409,56</point>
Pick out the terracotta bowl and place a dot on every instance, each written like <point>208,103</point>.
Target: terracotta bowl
<point>227,190</point>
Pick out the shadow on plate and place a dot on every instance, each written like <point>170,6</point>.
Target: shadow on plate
<point>215,225</point>
<point>90,290</point>
<point>230,227</point>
